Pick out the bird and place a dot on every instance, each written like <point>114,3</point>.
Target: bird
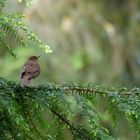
<point>30,70</point>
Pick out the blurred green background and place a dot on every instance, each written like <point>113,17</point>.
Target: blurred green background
<point>92,41</point>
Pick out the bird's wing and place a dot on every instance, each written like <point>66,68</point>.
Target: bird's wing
<point>22,73</point>
<point>30,68</point>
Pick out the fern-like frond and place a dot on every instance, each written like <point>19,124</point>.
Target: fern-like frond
<point>4,45</point>
<point>12,26</point>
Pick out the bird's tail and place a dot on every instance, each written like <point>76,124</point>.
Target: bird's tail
<point>25,81</point>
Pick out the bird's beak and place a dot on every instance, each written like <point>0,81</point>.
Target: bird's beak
<point>39,56</point>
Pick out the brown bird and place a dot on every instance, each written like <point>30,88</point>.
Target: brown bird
<point>31,70</point>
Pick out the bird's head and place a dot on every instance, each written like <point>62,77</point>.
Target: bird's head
<point>33,58</point>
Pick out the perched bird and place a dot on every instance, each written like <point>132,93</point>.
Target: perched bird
<point>31,70</point>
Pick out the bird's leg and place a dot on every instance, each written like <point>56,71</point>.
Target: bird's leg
<point>34,82</point>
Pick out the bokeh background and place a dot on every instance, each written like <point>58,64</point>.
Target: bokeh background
<point>93,41</point>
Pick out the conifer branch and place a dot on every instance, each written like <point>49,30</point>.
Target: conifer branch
<point>72,127</point>
<point>53,97</point>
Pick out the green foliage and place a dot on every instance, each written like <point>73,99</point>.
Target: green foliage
<point>12,27</point>
<point>22,112</point>
<point>59,112</point>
